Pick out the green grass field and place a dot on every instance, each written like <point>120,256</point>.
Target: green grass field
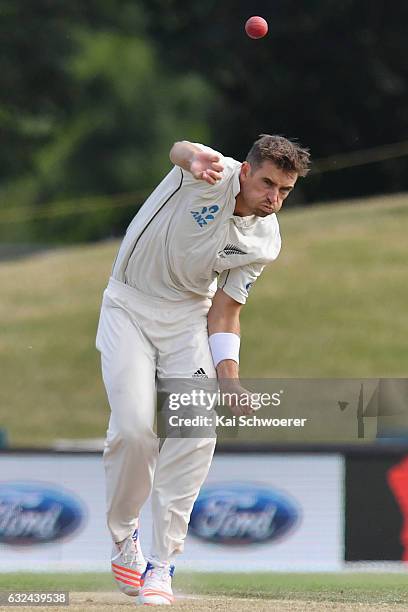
<point>370,588</point>
<point>333,305</point>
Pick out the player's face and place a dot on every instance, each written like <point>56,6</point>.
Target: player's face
<point>264,189</point>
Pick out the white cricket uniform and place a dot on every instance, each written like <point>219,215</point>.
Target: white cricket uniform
<point>153,325</point>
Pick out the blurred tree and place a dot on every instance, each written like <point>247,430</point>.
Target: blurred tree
<point>35,91</point>
<point>119,136</point>
<point>86,110</point>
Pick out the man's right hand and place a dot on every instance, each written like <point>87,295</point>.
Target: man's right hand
<point>206,167</point>
<point>203,165</point>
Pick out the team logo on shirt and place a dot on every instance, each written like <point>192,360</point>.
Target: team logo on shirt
<point>231,249</point>
<point>206,214</point>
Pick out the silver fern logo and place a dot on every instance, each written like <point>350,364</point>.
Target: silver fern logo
<point>231,249</point>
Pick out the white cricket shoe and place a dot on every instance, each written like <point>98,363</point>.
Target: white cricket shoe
<point>128,565</point>
<point>156,589</point>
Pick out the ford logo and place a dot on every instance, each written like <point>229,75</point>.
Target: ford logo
<point>35,513</point>
<point>236,514</point>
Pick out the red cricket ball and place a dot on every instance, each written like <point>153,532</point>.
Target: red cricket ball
<point>256,27</point>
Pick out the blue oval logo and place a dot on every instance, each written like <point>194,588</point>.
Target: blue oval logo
<point>36,513</point>
<point>242,513</point>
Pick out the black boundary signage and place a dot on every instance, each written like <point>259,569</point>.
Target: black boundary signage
<point>376,512</point>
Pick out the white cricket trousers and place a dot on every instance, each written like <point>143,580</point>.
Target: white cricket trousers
<point>142,338</point>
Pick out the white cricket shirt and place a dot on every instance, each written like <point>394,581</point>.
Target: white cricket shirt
<point>186,235</point>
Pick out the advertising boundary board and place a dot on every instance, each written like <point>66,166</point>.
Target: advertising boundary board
<point>293,492</point>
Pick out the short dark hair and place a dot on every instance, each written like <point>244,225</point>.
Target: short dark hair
<point>285,154</point>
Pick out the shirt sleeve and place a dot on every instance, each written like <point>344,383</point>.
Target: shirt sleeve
<point>237,282</point>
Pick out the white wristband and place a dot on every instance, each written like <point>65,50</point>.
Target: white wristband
<point>224,346</point>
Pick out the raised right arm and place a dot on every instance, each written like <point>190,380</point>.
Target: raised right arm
<point>203,165</point>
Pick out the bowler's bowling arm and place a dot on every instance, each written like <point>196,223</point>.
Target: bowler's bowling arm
<point>182,154</point>
<point>204,165</point>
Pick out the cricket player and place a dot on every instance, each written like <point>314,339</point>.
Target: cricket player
<point>171,311</point>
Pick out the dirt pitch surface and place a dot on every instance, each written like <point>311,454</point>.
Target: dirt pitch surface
<point>115,602</point>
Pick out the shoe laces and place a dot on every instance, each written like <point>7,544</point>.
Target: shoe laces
<point>160,573</point>
<point>128,549</point>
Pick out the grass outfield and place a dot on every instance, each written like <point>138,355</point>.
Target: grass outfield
<point>343,588</point>
<point>333,305</point>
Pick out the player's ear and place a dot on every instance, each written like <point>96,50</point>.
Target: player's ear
<point>245,170</point>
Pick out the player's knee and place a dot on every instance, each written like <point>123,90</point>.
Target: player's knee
<point>135,431</point>
<point>132,421</point>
